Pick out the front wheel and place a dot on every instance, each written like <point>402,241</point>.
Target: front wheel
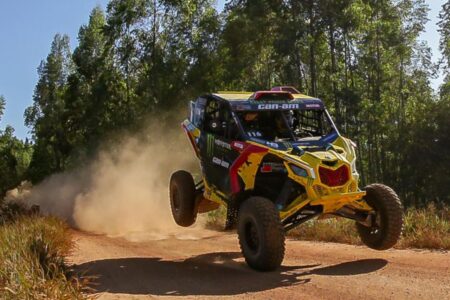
<point>182,198</point>
<point>387,220</point>
<point>261,235</point>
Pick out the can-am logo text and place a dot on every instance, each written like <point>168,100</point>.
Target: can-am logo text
<point>279,106</point>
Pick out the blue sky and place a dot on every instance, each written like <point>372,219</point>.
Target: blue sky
<point>27,28</point>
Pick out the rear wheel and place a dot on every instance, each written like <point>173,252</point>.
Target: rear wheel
<point>261,235</point>
<point>182,198</point>
<point>387,220</point>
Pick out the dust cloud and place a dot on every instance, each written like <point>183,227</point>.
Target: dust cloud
<point>124,192</point>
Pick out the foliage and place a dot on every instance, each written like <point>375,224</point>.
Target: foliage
<point>47,114</point>
<point>215,219</point>
<point>32,251</point>
<point>364,58</point>
<point>15,156</point>
<point>425,228</point>
<point>2,105</point>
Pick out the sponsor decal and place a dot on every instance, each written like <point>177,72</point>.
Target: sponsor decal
<point>279,106</point>
<point>223,144</point>
<point>313,106</point>
<point>210,145</point>
<point>238,145</point>
<point>190,127</point>
<point>220,162</point>
<point>254,134</point>
<point>270,167</point>
<point>243,107</point>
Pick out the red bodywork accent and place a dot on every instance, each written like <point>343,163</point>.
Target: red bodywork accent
<point>334,178</point>
<point>261,94</point>
<point>289,89</point>
<point>234,176</point>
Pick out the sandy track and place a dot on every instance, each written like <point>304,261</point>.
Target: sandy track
<point>212,266</point>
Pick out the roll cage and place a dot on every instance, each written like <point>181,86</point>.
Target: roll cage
<point>305,121</point>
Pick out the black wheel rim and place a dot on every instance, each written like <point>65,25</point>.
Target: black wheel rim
<point>251,236</point>
<point>175,198</point>
<point>376,225</point>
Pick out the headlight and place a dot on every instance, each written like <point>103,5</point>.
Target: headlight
<point>299,171</point>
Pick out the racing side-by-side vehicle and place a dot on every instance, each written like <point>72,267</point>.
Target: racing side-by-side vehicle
<point>276,160</point>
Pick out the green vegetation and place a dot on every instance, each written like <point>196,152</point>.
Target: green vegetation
<point>15,155</point>
<point>32,251</point>
<point>363,58</point>
<point>424,228</point>
<point>141,59</point>
<point>427,228</point>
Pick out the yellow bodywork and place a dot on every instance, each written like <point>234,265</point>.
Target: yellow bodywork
<point>236,95</point>
<point>317,193</point>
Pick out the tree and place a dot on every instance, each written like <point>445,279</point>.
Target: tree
<point>46,115</point>
<point>14,157</point>
<point>143,58</point>
<point>93,88</point>
<point>2,106</point>
<point>444,30</point>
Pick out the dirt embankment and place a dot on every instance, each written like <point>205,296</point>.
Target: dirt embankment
<point>200,263</point>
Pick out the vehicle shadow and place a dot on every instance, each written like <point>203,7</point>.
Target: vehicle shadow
<point>206,274</point>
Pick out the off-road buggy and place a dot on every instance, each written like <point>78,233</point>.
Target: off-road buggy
<point>276,160</point>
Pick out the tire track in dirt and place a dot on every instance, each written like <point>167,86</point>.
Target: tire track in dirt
<point>209,264</point>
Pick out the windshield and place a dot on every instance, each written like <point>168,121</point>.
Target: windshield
<point>266,125</point>
<point>292,125</point>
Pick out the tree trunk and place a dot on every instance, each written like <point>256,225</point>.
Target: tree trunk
<point>312,50</point>
<point>332,44</point>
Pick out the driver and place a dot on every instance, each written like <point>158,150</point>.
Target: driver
<point>252,123</point>
<point>251,117</point>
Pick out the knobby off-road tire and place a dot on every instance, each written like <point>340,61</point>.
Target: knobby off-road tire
<point>182,198</point>
<point>231,220</point>
<point>261,235</point>
<point>389,219</point>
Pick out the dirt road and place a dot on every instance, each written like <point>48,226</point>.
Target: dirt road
<point>208,264</point>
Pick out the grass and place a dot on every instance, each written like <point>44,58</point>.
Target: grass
<point>32,252</point>
<point>425,228</point>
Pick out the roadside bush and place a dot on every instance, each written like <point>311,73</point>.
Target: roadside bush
<point>426,228</point>
<point>32,266</point>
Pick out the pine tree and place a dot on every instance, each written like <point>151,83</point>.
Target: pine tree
<point>46,115</point>
<point>2,106</point>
